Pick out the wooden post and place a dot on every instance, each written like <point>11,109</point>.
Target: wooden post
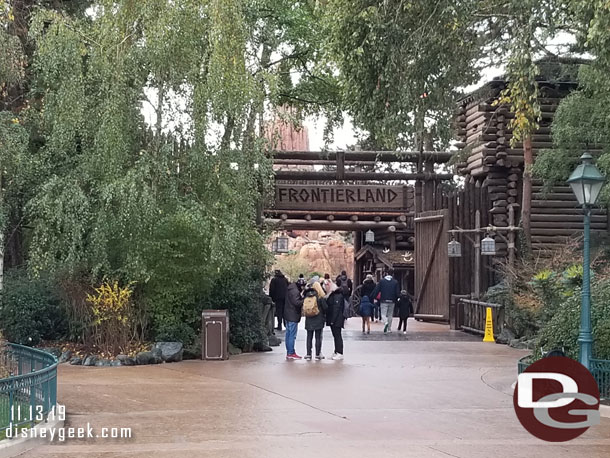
<point>393,241</point>
<point>340,165</point>
<point>477,256</point>
<point>511,237</point>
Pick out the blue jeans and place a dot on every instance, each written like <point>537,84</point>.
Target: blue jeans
<point>291,336</point>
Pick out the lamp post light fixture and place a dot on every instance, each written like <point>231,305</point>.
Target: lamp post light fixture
<point>488,246</point>
<point>586,182</point>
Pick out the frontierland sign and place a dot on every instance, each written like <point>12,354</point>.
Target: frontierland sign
<point>341,197</point>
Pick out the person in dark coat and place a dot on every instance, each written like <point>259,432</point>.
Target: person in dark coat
<point>366,290</point>
<point>405,308</point>
<point>292,315</point>
<point>390,291</point>
<point>366,312</point>
<point>277,292</point>
<point>315,324</point>
<point>347,284</point>
<point>335,318</point>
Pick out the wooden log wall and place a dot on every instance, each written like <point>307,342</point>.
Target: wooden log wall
<point>484,135</point>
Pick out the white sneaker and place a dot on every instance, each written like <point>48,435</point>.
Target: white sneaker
<point>405,332</point>
<point>337,357</point>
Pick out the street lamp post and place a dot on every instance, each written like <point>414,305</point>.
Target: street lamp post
<point>586,182</point>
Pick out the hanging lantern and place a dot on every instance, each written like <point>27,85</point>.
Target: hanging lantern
<point>280,244</point>
<point>454,248</point>
<point>488,246</point>
<point>369,237</point>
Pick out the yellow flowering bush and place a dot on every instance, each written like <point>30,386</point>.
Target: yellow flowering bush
<point>112,323</point>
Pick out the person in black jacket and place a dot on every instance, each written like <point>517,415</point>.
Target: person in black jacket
<point>390,291</point>
<point>292,315</point>
<point>335,318</point>
<point>277,292</point>
<point>405,308</point>
<point>347,284</point>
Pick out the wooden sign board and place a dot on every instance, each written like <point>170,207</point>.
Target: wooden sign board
<point>342,197</point>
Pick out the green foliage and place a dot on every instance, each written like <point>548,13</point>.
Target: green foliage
<point>561,331</point>
<point>400,64</point>
<point>518,316</point>
<point>30,310</point>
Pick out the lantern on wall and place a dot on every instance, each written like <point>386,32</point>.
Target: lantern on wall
<point>454,248</point>
<point>369,236</point>
<point>488,246</point>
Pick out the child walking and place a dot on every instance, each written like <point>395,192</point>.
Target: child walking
<point>366,312</point>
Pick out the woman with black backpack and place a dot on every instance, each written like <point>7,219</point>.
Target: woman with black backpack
<point>335,317</point>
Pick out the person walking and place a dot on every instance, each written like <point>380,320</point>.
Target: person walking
<point>346,283</point>
<point>366,312</point>
<point>405,308</point>
<point>368,285</point>
<point>277,292</point>
<point>335,318</point>
<point>292,315</point>
<point>314,310</point>
<point>390,291</point>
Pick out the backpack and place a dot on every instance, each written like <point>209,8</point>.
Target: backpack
<point>310,305</point>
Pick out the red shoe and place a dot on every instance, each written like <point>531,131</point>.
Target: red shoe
<point>293,356</point>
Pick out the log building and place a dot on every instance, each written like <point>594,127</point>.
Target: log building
<point>487,158</point>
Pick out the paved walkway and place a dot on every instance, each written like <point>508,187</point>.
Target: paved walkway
<point>438,394</point>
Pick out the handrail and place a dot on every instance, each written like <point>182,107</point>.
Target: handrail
<point>29,394</point>
<point>484,304</point>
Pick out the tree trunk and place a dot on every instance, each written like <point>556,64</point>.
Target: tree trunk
<point>526,209</point>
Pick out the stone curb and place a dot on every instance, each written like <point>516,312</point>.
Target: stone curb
<point>14,447</point>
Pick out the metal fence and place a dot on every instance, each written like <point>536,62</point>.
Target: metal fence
<point>600,368</point>
<point>30,392</point>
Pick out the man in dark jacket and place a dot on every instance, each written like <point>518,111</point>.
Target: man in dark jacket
<point>347,284</point>
<point>277,292</point>
<point>389,289</point>
<point>292,315</point>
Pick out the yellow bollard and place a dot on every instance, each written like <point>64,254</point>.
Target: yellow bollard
<point>489,327</point>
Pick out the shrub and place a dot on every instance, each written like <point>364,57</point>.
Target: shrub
<point>30,310</point>
<point>112,323</point>
<point>519,309</point>
<point>563,329</point>
<point>240,295</point>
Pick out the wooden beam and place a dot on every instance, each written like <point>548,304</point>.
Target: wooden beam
<point>304,175</point>
<point>301,224</point>
<point>439,157</point>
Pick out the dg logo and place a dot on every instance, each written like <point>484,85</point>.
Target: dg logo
<point>557,399</point>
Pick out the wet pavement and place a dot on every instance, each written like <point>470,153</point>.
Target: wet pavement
<point>434,394</point>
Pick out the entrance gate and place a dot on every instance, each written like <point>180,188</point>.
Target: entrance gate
<point>432,283</point>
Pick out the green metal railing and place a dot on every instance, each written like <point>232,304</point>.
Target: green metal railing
<point>600,368</point>
<point>30,392</point>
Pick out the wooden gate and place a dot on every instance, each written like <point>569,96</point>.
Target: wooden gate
<point>432,286</point>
